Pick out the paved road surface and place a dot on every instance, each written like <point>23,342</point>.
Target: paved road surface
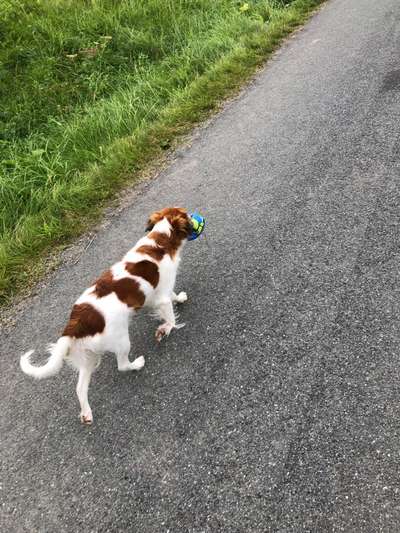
<point>277,407</point>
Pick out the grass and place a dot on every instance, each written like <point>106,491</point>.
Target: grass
<point>92,91</point>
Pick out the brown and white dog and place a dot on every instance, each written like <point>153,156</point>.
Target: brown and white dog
<point>99,319</point>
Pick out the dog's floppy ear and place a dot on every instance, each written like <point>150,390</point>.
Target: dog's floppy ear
<point>149,226</point>
<point>180,220</point>
<point>153,219</point>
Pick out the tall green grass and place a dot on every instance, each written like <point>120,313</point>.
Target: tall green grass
<point>90,91</point>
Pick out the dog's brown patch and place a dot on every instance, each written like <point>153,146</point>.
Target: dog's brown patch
<point>168,243</point>
<point>104,285</point>
<point>146,270</point>
<point>84,321</point>
<point>128,291</point>
<point>154,252</point>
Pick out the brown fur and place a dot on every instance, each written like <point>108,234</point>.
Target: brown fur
<point>104,285</point>
<point>154,252</point>
<point>170,244</point>
<point>126,289</point>
<point>85,320</point>
<point>146,270</point>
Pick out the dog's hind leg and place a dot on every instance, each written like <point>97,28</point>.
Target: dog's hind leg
<point>85,361</point>
<point>122,353</point>
<point>85,373</point>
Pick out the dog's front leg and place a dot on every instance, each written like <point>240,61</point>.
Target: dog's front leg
<point>165,311</point>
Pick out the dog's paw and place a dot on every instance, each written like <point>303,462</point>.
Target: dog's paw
<point>138,363</point>
<point>181,297</point>
<point>86,418</point>
<point>163,331</point>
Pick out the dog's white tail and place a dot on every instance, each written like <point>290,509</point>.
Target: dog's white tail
<point>54,364</point>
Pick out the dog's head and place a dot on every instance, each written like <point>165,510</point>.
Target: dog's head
<point>178,218</point>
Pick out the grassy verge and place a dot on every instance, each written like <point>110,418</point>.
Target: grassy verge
<point>93,91</point>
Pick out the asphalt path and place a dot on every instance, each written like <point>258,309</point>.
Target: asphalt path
<point>277,407</point>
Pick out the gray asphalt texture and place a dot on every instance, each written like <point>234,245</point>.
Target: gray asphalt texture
<point>277,407</point>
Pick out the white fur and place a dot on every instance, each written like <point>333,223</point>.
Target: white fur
<point>58,351</point>
<point>85,354</point>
